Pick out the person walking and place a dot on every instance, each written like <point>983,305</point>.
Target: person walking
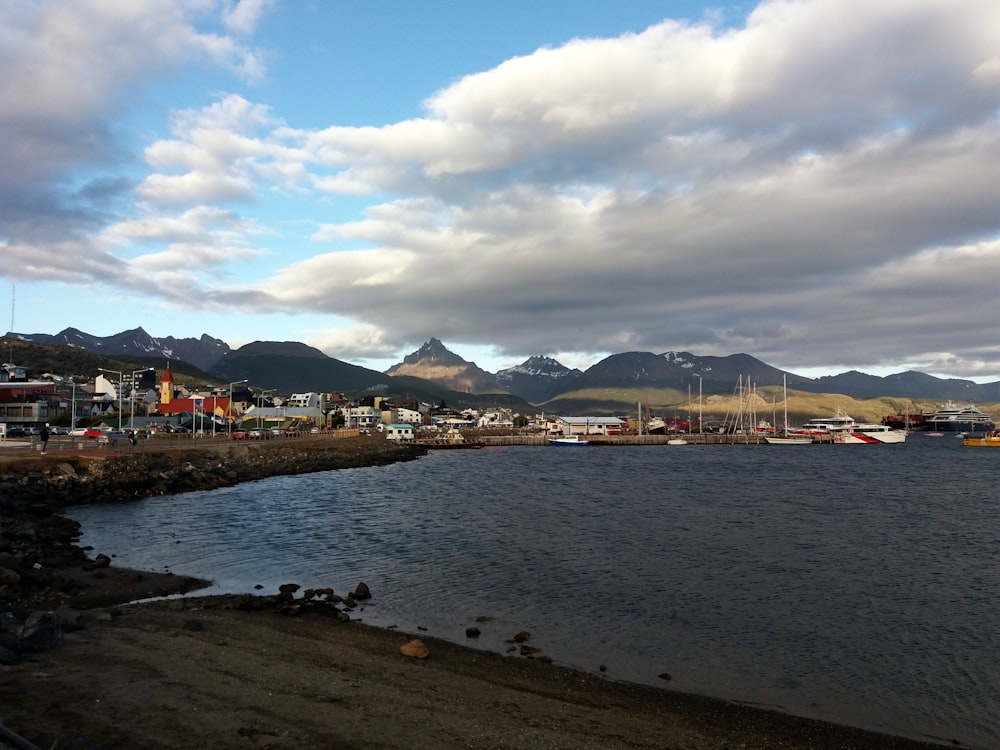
<point>43,437</point>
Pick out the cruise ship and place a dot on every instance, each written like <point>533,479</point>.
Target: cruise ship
<point>952,417</point>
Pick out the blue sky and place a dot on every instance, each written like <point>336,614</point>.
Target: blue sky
<point>810,182</point>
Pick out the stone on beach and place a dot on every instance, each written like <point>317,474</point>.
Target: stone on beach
<point>415,649</point>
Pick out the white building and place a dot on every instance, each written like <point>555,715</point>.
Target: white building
<point>591,425</point>
<point>401,414</point>
<point>496,419</point>
<point>362,417</point>
<point>399,432</point>
<point>305,401</point>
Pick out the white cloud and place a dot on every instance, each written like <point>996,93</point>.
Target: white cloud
<point>796,188</point>
<point>244,15</point>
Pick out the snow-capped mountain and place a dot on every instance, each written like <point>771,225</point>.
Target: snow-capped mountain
<point>203,353</point>
<point>538,379</point>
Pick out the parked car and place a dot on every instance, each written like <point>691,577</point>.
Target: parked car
<point>78,432</point>
<point>112,437</point>
<point>59,430</point>
<point>258,434</point>
<point>16,432</point>
<point>239,434</point>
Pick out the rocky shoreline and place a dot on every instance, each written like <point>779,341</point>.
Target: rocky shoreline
<point>38,543</point>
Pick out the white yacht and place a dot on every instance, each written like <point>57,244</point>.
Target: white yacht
<point>827,425</point>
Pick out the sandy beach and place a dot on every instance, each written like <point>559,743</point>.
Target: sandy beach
<point>238,672</point>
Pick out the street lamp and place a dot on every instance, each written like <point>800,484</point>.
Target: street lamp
<point>260,405</point>
<point>235,382</point>
<point>121,377</point>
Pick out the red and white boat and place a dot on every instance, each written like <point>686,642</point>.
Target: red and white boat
<point>869,434</point>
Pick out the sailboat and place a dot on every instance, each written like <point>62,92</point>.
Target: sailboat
<point>784,438</point>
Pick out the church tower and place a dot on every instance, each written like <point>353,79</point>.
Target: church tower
<point>166,386</point>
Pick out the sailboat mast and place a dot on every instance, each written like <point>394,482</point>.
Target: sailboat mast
<point>784,389</point>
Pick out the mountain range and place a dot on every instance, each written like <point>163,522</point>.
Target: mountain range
<point>435,373</point>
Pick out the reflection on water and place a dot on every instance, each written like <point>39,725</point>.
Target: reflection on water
<point>851,583</point>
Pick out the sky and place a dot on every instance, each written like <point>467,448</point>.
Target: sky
<point>811,182</point>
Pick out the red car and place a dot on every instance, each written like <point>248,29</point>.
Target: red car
<point>93,432</point>
<point>239,434</point>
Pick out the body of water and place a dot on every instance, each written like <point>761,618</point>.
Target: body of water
<point>856,584</point>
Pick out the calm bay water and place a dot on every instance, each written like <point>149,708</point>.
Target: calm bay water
<point>856,584</point>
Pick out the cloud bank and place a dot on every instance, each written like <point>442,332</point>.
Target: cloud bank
<point>816,187</point>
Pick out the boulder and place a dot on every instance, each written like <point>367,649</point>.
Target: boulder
<point>361,591</point>
<point>40,632</point>
<point>415,649</point>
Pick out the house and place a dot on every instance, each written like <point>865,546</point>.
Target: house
<point>399,432</point>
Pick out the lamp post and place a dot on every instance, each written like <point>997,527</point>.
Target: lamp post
<point>72,405</point>
<point>121,377</point>
<point>235,382</point>
<point>260,405</point>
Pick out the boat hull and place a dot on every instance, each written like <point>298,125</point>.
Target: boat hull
<point>862,437</point>
<point>774,440</point>
<point>959,426</point>
<point>567,442</point>
<point>986,441</point>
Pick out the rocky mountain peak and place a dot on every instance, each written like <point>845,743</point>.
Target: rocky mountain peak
<point>435,362</point>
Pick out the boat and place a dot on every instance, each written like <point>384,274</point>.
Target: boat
<point>953,417</point>
<point>785,437</point>
<point>571,440</point>
<point>869,434</point>
<point>987,440</point>
<point>677,441</point>
<point>451,439</point>
<point>656,426</point>
<point>828,425</point>
<point>789,438</point>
